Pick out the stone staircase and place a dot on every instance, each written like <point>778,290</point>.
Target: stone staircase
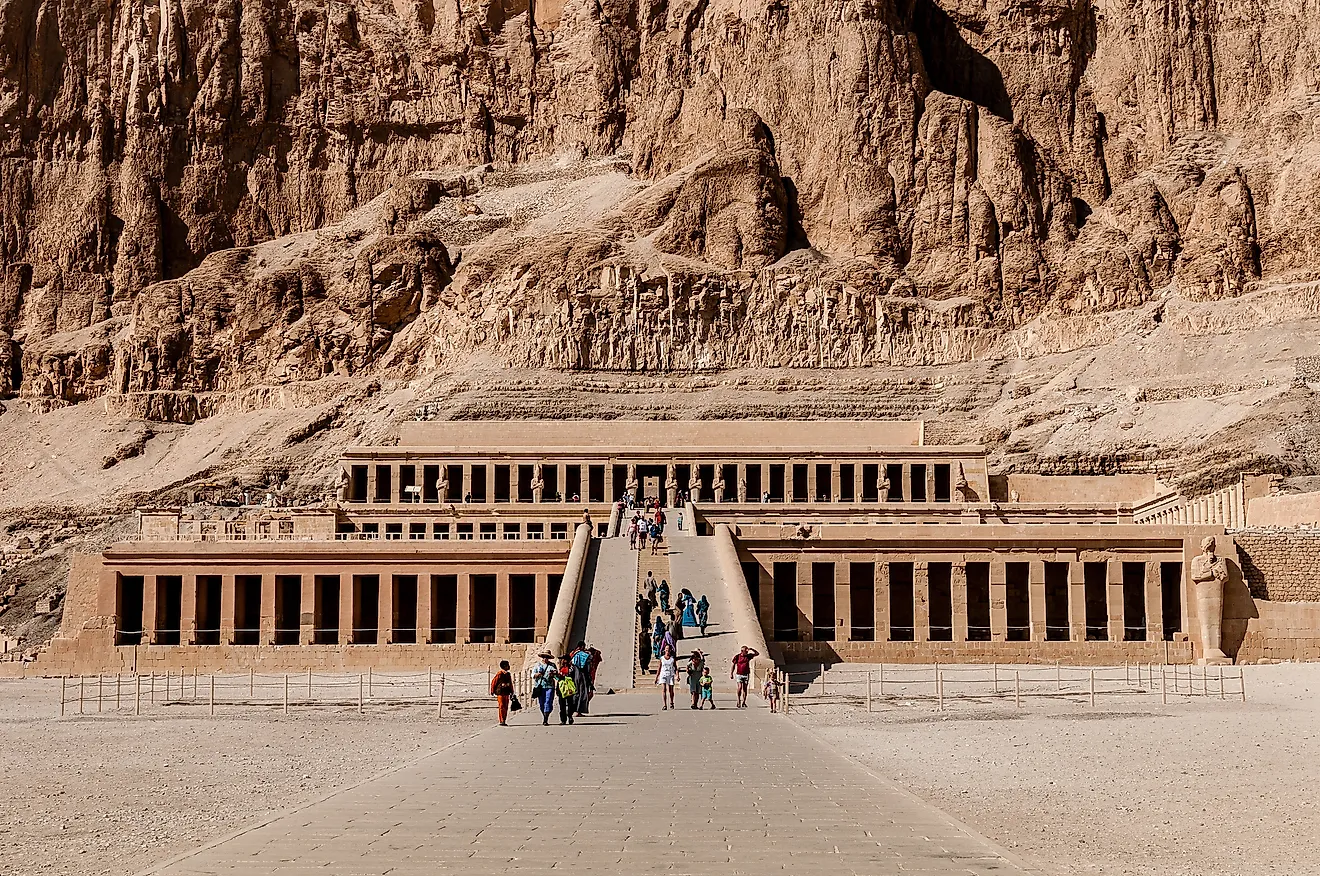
<point>658,566</point>
<point>609,603</point>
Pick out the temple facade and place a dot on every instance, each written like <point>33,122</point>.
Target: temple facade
<point>826,541</point>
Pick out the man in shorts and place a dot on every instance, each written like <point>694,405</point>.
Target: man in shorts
<point>741,672</point>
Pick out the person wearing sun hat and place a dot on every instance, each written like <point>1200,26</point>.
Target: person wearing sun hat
<point>544,676</point>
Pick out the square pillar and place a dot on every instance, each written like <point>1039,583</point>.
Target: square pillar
<point>1154,602</point>
<point>858,482</point>
<point>385,608</point>
<point>921,602</point>
<point>463,610</point>
<point>502,608</point>
<point>1036,597</point>
<point>266,625</point>
<point>561,482</point>
<point>227,586</point>
<point>836,483</point>
<point>906,481</point>
<point>766,604</point>
<point>150,587</point>
<point>930,481</point>
<point>396,476</point>
<point>188,611</point>
<point>881,601</point>
<point>811,480</point>
<point>765,479</point>
<point>423,608</point>
<point>805,608</point>
<point>998,598</point>
<point>1114,570</point>
<point>1077,599</point>
<point>958,596</point>
<point>543,608</point>
<point>842,601</point>
<point>346,608</point>
<point>610,495</point>
<point>371,480</point>
<point>307,610</point>
<point>466,489</point>
<point>490,484</point>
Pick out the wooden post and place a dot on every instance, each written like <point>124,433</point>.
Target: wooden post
<point>1242,681</point>
<point>286,693</point>
<point>1092,687</point>
<point>868,691</point>
<point>64,684</point>
<point>1164,687</point>
<point>80,695</point>
<point>939,688</point>
<point>252,683</point>
<point>309,685</point>
<point>822,679</point>
<point>137,695</point>
<point>212,694</point>
<point>1058,676</point>
<point>118,684</point>
<point>996,671</point>
<point>153,688</point>
<point>100,689</point>
<point>440,703</point>
<point>1017,688</point>
<point>369,691</point>
<point>428,682</point>
<point>882,679</point>
<point>359,693</point>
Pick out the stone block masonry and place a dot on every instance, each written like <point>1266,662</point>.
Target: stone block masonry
<point>1281,565</point>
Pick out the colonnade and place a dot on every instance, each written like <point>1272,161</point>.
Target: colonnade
<point>1226,507</point>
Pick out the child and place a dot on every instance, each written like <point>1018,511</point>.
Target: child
<point>707,689</point>
<point>771,692</point>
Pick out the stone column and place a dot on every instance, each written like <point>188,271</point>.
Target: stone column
<point>842,602</point>
<point>836,482</point>
<point>1114,571</point>
<point>610,495</point>
<point>345,609</point>
<point>266,625</point>
<point>561,481</point>
<point>1077,599</point>
<point>805,608</point>
<point>385,609</point>
<point>150,587</point>
<point>371,481</point>
<point>463,610</point>
<point>921,602</point>
<point>307,610</point>
<point>502,608</point>
<point>1154,603</point>
<point>466,489</point>
<point>882,602</point>
<point>227,588</point>
<point>396,483</point>
<point>490,483</point>
<point>930,481</point>
<point>188,611</point>
<point>424,609</point>
<point>998,599</point>
<point>811,480</point>
<point>958,594</point>
<point>765,479</point>
<point>906,481</point>
<point>543,607</point>
<point>1036,597</point>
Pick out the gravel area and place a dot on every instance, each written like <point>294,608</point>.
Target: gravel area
<point>1200,787</point>
<point>115,794</point>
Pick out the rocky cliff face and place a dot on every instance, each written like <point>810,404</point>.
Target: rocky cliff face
<point>196,198</point>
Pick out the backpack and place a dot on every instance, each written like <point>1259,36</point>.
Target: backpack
<point>566,686</point>
<point>582,659</point>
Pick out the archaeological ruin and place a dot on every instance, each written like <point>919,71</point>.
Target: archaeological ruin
<point>820,541</point>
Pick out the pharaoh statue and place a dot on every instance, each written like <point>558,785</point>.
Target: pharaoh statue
<point>882,484</point>
<point>694,482</point>
<point>630,487</point>
<point>718,486</point>
<point>671,485</point>
<point>342,491</point>
<point>538,482</point>
<point>1209,574</point>
<point>960,485</point>
<point>742,489</point>
<point>442,485</point>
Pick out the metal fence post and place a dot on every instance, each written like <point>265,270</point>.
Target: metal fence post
<point>1092,687</point>
<point>428,683</point>
<point>213,694</point>
<point>868,691</point>
<point>882,679</point>
<point>309,684</point>
<point>80,695</point>
<point>1164,686</point>
<point>286,693</point>
<point>360,693</point>
<point>370,693</point>
<point>1058,676</point>
<point>252,683</point>
<point>137,695</point>
<point>153,688</point>
<point>100,689</point>
<point>118,685</point>
<point>440,702</point>
<point>1017,688</point>
<point>996,671</point>
<point>64,684</point>
<point>939,687</point>
<point>1242,682</point>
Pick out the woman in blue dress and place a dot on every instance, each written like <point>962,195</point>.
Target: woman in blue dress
<point>658,635</point>
<point>689,609</point>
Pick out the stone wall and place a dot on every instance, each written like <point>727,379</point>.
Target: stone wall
<point>1281,565</point>
<point>1294,509</point>
<point>1282,632</point>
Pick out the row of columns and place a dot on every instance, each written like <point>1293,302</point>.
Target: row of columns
<point>998,601</point>
<point>1226,507</point>
<point>350,589</point>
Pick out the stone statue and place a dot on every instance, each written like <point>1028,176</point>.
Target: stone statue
<point>442,485</point>
<point>631,486</point>
<point>671,484</point>
<point>742,489</point>
<point>1209,574</point>
<point>342,491</point>
<point>961,488</point>
<point>538,482</point>
<point>694,481</point>
<point>1013,495</point>
<point>882,483</point>
<point>718,485</point>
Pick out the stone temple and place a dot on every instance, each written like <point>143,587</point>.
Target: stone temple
<point>820,541</point>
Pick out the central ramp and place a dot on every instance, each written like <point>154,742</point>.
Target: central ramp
<point>610,619</point>
<point>694,564</point>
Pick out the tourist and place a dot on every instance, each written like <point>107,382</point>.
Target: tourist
<point>741,671</point>
<point>501,688</point>
<point>586,514</point>
<point>644,646</point>
<point>644,610</point>
<point>675,627</point>
<point>596,659</point>
<point>771,692</point>
<point>650,591</point>
<point>545,676</point>
<point>660,518</point>
<point>665,675</point>
<point>648,584</point>
<point>707,688</point>
<point>689,608</point>
<point>642,532</point>
<point>703,613</point>
<point>695,669</point>
<point>655,538</point>
<point>663,592</point>
<point>632,534</point>
<point>567,690</point>
<point>580,660</point>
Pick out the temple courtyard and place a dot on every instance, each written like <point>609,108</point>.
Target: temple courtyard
<point>1199,786</point>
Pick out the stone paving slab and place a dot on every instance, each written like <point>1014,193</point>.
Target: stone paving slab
<point>629,789</point>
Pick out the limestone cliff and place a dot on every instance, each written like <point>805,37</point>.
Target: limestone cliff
<point>200,197</point>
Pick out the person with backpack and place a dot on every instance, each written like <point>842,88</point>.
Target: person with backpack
<point>545,679</point>
<point>580,663</point>
<point>655,538</point>
<point>501,688</point>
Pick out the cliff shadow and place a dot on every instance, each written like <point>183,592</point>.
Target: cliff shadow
<point>953,65</point>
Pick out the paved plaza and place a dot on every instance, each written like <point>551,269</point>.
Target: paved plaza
<point>629,790</point>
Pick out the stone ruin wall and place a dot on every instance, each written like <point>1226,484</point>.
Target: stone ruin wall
<point>1281,565</point>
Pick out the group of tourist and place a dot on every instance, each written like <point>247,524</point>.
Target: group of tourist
<point>571,682</point>
<point>667,629</point>
<point>646,526</point>
<point>701,684</point>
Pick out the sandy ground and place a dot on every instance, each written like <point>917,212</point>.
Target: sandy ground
<point>1199,787</point>
<point>96,795</point>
